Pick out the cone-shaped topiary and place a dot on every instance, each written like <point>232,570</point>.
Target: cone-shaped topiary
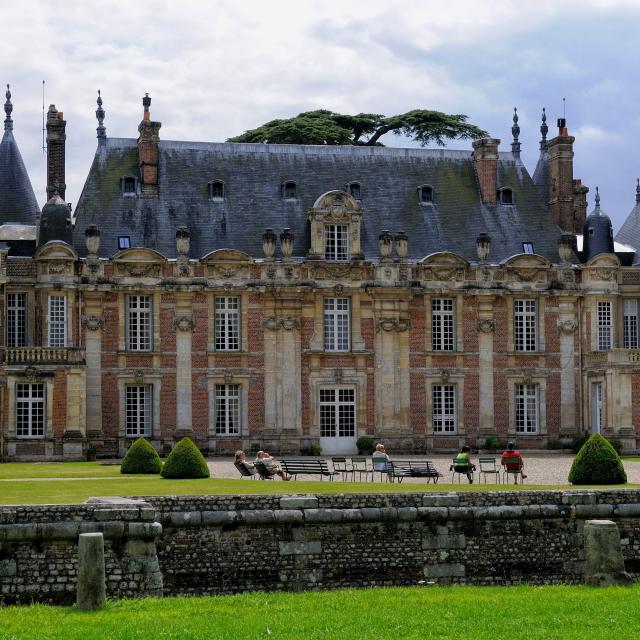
<point>597,463</point>
<point>141,458</point>
<point>185,461</point>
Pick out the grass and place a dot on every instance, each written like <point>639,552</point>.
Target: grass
<point>459,613</point>
<point>17,470</point>
<point>631,458</point>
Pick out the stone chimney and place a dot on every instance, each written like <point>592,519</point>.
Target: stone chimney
<point>56,137</point>
<point>561,195</point>
<point>485,156</point>
<point>579,205</point>
<point>148,150</point>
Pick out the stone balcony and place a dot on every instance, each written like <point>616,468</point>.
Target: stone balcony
<point>45,355</point>
<point>612,357</point>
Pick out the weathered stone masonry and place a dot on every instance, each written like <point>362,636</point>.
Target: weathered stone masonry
<point>228,544</point>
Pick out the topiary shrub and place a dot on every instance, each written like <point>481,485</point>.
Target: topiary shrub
<point>578,441</point>
<point>141,458</point>
<point>597,463</point>
<point>365,445</point>
<point>185,461</point>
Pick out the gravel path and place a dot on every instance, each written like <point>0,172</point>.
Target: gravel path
<point>540,468</point>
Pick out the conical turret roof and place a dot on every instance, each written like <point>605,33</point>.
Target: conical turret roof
<point>630,231</point>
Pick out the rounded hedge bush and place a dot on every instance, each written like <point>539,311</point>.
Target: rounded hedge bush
<point>185,461</point>
<point>141,458</point>
<point>597,462</point>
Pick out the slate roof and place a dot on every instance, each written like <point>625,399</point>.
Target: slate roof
<point>630,230</point>
<point>17,201</point>
<point>253,175</point>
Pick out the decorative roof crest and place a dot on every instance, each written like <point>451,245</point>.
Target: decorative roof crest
<point>544,129</point>
<point>515,130</point>
<point>100,113</point>
<point>638,191</point>
<point>8,108</point>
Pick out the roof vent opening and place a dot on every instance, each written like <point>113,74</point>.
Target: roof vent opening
<point>128,186</point>
<point>289,190</point>
<point>353,189</point>
<point>425,194</point>
<point>216,190</point>
<point>505,196</point>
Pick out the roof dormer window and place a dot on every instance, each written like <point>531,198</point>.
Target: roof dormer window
<point>128,186</point>
<point>505,196</point>
<point>425,194</point>
<point>124,242</point>
<point>289,190</point>
<point>216,190</point>
<point>353,189</point>
<point>527,247</point>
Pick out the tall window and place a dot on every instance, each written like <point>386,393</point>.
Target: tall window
<point>525,324</point>
<point>138,409</point>
<point>337,330</point>
<point>336,242</point>
<point>227,409</point>
<point>57,321</point>
<point>604,325</point>
<point>526,408</point>
<point>30,414</point>
<point>444,408</point>
<point>630,324</point>
<point>337,413</point>
<point>16,319</point>
<point>139,324</point>
<point>227,321</point>
<point>442,324</point>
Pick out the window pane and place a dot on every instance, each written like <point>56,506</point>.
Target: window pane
<point>442,324</point>
<point>30,410</point>
<point>227,409</point>
<point>337,413</point>
<point>337,324</point>
<point>227,323</point>
<point>16,319</point>
<point>336,242</point>
<point>57,321</point>
<point>604,325</point>
<point>630,324</point>
<point>526,398</point>
<point>444,408</point>
<point>525,324</point>
<point>139,323</point>
<point>138,410</point>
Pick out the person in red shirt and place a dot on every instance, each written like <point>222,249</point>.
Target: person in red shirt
<point>511,453</point>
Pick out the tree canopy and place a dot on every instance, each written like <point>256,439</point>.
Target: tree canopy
<point>327,127</point>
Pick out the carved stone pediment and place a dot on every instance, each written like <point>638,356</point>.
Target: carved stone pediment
<point>329,271</point>
<point>486,325</point>
<point>443,273</point>
<point>138,270</point>
<point>604,274</point>
<point>567,326</point>
<point>92,323</point>
<point>397,325</point>
<point>335,206</point>
<point>287,323</point>
<point>184,323</point>
<point>227,270</point>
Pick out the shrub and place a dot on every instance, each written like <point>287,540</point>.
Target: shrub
<point>141,458</point>
<point>185,461</point>
<point>597,463</point>
<point>491,443</point>
<point>616,443</point>
<point>315,449</point>
<point>578,441</point>
<point>365,444</point>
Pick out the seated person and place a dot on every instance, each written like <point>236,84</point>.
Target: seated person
<point>241,457</point>
<point>379,459</point>
<point>515,465</point>
<point>462,463</point>
<point>272,466</point>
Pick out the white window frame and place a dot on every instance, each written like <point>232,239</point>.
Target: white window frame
<point>444,408</point>
<point>336,242</point>
<point>228,409</point>
<point>443,324</point>
<point>525,325</point>
<point>227,323</point>
<point>17,319</point>
<point>605,323</point>
<point>139,322</point>
<point>527,408</point>
<point>57,321</point>
<point>337,324</point>
<point>527,247</point>
<point>337,412</point>
<point>630,333</point>
<point>31,410</point>
<point>138,410</point>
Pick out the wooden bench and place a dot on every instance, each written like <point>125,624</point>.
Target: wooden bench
<point>414,469</point>
<point>307,467</point>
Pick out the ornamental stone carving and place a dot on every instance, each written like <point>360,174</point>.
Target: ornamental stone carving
<point>567,326</point>
<point>184,323</point>
<point>288,323</point>
<point>92,323</point>
<point>398,325</point>
<point>139,270</point>
<point>486,326</point>
<point>604,274</point>
<point>138,376</point>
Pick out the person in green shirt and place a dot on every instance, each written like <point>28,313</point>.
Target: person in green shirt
<point>462,463</point>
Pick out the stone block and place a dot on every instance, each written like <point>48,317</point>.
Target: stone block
<point>627,510</point>
<point>322,516</point>
<point>433,514</point>
<point>8,567</point>
<point>218,518</point>
<point>594,510</point>
<point>109,530</point>
<point>91,587</point>
<point>145,530</point>
<point>253,517</point>
<point>185,519</point>
<point>604,560</point>
<point>441,500</point>
<point>59,530</point>
<point>445,570</point>
<point>290,516</point>
<point>407,514</point>
<point>352,515</point>
<point>370,514</point>
<point>298,502</point>
<point>313,547</point>
<point>579,497</point>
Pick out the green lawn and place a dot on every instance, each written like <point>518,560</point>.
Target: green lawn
<point>631,458</point>
<point>11,470</point>
<point>456,613</point>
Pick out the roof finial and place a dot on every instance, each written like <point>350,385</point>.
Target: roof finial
<point>544,130</point>
<point>638,191</point>
<point>146,103</point>
<point>515,130</point>
<point>8,108</point>
<point>101,129</point>
<point>597,209</point>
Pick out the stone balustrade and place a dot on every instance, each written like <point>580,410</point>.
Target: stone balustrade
<point>45,355</point>
<point>612,357</point>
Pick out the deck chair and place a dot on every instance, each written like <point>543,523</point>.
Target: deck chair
<point>341,466</point>
<point>360,465</point>
<point>379,465</point>
<point>245,472</point>
<point>263,471</point>
<point>513,467</point>
<point>458,470</point>
<point>488,467</point>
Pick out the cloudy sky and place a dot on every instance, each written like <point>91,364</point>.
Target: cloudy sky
<point>215,68</point>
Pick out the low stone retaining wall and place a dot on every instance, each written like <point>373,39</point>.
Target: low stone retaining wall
<point>227,544</point>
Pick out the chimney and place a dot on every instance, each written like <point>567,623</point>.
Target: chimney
<point>56,137</point>
<point>148,150</point>
<point>561,186</point>
<point>485,156</point>
<point>579,205</point>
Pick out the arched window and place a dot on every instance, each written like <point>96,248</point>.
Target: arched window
<point>353,189</point>
<point>128,186</point>
<point>289,190</point>
<point>216,190</point>
<point>505,196</point>
<point>425,194</point>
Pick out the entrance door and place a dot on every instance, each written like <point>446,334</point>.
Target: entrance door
<point>338,420</point>
<point>596,407</point>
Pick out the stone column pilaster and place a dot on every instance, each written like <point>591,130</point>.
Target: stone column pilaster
<point>486,329</point>
<point>184,325</point>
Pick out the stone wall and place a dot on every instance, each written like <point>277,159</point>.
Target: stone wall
<point>227,544</point>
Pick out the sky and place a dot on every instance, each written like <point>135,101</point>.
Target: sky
<point>215,68</point>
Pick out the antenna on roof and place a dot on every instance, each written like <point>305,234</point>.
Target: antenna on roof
<point>44,148</point>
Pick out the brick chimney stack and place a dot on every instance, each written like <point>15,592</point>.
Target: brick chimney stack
<point>148,150</point>
<point>56,138</point>
<point>485,156</point>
